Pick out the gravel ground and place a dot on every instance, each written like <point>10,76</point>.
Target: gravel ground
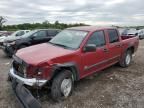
<point>114,87</point>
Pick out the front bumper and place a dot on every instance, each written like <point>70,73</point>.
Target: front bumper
<point>24,96</point>
<point>27,81</point>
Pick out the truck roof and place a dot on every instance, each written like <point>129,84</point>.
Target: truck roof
<point>91,28</point>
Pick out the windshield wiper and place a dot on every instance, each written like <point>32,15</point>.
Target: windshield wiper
<point>64,46</point>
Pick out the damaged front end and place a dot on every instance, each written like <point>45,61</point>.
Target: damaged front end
<point>24,96</point>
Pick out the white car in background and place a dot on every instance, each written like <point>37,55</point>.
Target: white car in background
<point>141,34</point>
<point>14,36</point>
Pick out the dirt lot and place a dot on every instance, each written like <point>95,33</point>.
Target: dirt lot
<point>114,87</point>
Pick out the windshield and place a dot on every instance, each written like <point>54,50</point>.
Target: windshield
<point>69,38</point>
<point>14,34</point>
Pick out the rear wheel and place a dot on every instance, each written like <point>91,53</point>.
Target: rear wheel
<point>62,85</point>
<point>126,59</point>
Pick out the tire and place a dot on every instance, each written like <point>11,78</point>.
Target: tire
<point>62,80</point>
<point>126,59</point>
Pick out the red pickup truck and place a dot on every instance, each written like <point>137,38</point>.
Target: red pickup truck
<point>70,56</point>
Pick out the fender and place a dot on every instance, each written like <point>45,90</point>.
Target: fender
<point>132,47</point>
<point>22,42</point>
<point>69,65</point>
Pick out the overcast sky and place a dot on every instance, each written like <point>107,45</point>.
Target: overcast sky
<point>94,12</point>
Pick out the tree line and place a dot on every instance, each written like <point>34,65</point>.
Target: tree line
<point>44,25</point>
<point>28,26</point>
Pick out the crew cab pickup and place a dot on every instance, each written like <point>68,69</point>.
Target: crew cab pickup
<point>70,56</point>
<point>32,38</point>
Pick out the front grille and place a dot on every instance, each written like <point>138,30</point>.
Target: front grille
<point>19,68</point>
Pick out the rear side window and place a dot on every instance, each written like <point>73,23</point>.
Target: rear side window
<point>113,36</point>
<point>52,32</point>
<point>97,38</point>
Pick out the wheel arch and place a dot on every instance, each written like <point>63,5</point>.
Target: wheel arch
<point>131,48</point>
<point>66,66</point>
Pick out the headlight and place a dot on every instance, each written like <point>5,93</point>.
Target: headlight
<point>24,70</point>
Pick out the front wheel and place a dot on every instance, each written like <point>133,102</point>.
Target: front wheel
<point>126,59</point>
<point>62,85</point>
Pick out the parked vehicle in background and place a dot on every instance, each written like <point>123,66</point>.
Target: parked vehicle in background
<point>13,36</point>
<point>130,32</point>
<point>32,38</point>
<point>141,34</point>
<point>70,56</point>
<point>16,35</point>
<point>123,31</point>
<point>5,33</point>
<point>1,32</point>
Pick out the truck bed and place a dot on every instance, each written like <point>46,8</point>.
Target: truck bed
<point>128,41</point>
<point>123,37</point>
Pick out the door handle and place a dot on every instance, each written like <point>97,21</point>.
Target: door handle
<point>105,50</point>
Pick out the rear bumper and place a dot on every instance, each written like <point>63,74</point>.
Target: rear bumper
<point>24,97</point>
<point>27,81</point>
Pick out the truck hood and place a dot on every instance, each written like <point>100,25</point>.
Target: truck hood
<point>43,52</point>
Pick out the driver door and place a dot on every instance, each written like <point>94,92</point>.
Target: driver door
<point>39,37</point>
<point>94,61</point>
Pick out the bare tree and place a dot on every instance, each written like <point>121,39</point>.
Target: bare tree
<point>2,21</point>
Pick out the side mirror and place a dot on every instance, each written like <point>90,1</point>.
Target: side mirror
<point>90,48</point>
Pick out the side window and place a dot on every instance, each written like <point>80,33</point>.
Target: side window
<point>40,34</point>
<point>97,38</point>
<point>27,31</point>
<point>113,36</point>
<point>52,32</point>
